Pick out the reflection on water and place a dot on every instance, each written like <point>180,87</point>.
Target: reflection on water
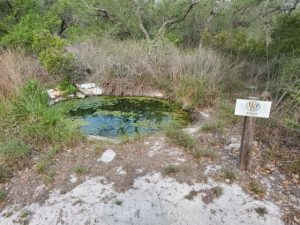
<point>117,116</point>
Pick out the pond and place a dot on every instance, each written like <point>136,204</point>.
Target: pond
<point>117,116</point>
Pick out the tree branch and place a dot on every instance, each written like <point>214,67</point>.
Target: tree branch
<point>100,12</point>
<point>141,24</point>
<point>288,9</point>
<point>63,27</point>
<point>176,20</point>
<point>9,4</point>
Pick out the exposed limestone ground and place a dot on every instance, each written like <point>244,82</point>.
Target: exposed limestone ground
<point>147,181</point>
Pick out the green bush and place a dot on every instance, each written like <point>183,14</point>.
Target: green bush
<point>285,35</point>
<point>22,34</point>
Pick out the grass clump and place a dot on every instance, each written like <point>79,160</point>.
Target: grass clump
<point>225,118</point>
<point>38,121</point>
<point>80,169</point>
<point>13,150</point>
<point>4,174</point>
<point>205,152</point>
<point>200,93</point>
<point>170,169</point>
<point>228,173</point>
<point>119,202</point>
<point>49,176</point>
<point>261,211</point>
<point>256,188</point>
<point>41,166</point>
<point>3,195</point>
<point>67,87</point>
<point>180,137</point>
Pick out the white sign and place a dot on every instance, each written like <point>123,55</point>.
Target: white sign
<point>252,108</point>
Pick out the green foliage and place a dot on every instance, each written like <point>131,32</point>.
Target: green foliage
<point>49,176</point>
<point>3,195</point>
<point>80,169</point>
<point>286,39</point>
<point>199,92</point>
<point>180,137</point>
<point>4,174</point>
<point>205,152</point>
<point>225,118</point>
<point>171,169</point>
<point>13,150</point>
<point>228,173</point>
<point>38,121</point>
<point>67,87</point>
<point>22,33</point>
<point>234,41</point>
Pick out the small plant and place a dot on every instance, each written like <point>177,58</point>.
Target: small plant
<point>171,169</point>
<point>203,152</point>
<point>255,188</point>
<point>67,87</point>
<point>261,211</point>
<point>13,150</point>
<point>228,173</point>
<point>180,137</point>
<point>80,169</point>
<point>3,195</point>
<point>41,166</point>
<point>119,202</point>
<point>98,148</point>
<point>224,119</point>
<point>49,176</point>
<point>218,191</point>
<point>4,174</point>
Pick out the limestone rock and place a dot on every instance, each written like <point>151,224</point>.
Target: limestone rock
<point>90,89</point>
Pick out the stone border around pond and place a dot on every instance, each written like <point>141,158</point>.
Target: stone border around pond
<point>88,89</point>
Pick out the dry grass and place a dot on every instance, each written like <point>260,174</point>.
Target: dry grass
<point>128,68</point>
<point>15,69</point>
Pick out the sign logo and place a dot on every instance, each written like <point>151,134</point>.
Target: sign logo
<point>253,106</point>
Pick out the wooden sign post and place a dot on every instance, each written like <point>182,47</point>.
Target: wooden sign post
<point>250,108</point>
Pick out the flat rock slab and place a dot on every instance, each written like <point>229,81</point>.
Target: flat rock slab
<point>153,200</point>
<point>90,89</point>
<point>107,156</point>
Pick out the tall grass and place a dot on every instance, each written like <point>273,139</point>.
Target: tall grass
<point>128,68</point>
<point>15,69</point>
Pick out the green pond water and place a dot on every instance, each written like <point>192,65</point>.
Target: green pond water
<point>118,116</point>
